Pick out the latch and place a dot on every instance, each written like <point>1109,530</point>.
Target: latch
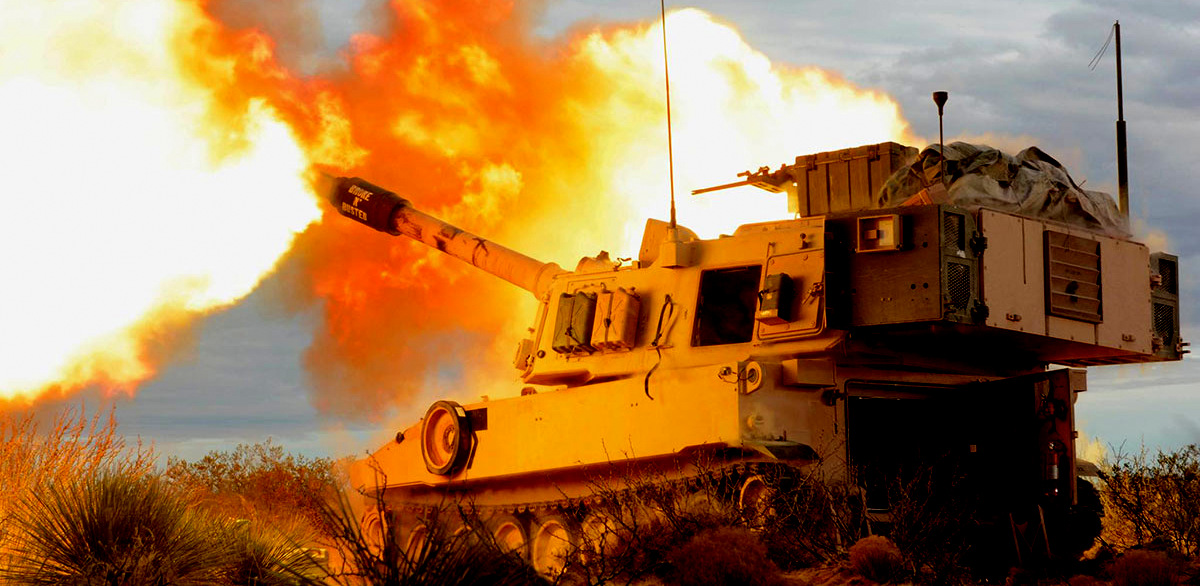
<point>817,290</point>
<point>978,244</point>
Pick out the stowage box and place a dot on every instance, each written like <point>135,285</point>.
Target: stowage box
<point>845,180</point>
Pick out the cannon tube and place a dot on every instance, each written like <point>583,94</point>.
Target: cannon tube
<point>387,212</point>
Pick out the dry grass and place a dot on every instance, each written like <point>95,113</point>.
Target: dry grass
<point>1145,568</point>
<point>1153,499</point>
<point>75,445</point>
<point>723,555</point>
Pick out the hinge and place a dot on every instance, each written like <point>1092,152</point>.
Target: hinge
<point>808,162</point>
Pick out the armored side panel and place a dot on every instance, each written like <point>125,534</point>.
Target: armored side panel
<point>1086,297</point>
<point>907,265</point>
<point>990,287</point>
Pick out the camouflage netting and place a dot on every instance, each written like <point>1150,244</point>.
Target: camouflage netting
<point>1031,184</point>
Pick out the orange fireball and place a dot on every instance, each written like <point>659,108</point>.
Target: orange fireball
<point>132,206</point>
<point>158,160</point>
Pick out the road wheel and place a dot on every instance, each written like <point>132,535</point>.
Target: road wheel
<point>554,539</point>
<point>510,535</point>
<point>417,540</point>
<point>754,501</point>
<point>373,526</point>
<point>598,536</point>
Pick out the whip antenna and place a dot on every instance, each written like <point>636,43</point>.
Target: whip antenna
<point>667,76</point>
<point>1122,148</point>
<point>1122,161</point>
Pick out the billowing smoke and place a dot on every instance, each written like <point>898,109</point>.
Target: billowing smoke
<point>556,149</point>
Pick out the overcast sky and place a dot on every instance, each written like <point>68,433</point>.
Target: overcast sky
<point>1017,71</point>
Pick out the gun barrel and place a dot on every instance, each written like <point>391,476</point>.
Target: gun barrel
<point>385,211</point>
<point>722,186</point>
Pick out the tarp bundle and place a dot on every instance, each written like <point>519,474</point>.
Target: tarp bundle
<point>1031,184</point>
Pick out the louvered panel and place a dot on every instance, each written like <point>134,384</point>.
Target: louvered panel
<point>1073,277</point>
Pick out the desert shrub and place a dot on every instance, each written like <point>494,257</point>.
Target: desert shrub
<point>813,519</point>
<point>258,554</point>
<point>74,445</point>
<point>646,518</point>
<point>447,557</point>
<point>259,481</point>
<point>1145,568</point>
<point>724,555</point>
<point>1083,580</point>
<point>877,558</point>
<point>930,521</point>
<point>112,528</point>
<point>1153,498</point>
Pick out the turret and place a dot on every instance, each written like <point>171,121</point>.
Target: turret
<point>385,211</point>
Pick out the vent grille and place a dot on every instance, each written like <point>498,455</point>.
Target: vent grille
<point>1169,271</point>
<point>952,230</point>
<point>958,284</point>
<point>1073,277</point>
<point>1164,323</point>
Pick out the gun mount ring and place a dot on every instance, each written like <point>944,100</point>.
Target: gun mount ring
<point>445,438</point>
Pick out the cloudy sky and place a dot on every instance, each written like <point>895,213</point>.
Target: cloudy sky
<point>1017,73</point>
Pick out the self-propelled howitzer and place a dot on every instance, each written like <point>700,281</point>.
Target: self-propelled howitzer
<point>868,342</point>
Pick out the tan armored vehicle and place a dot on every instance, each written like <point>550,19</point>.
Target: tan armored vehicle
<point>865,339</point>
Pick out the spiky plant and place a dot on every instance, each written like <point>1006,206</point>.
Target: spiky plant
<point>112,528</point>
<point>75,444</point>
<point>260,554</point>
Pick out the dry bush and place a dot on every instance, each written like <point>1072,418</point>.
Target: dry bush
<point>1153,499</point>
<point>875,557</point>
<point>804,521</point>
<point>1145,568</point>
<point>122,528</point>
<point>724,555</point>
<point>258,482</point>
<point>260,554</point>
<point>1083,580</point>
<point>814,519</point>
<point>75,446</point>
<point>448,557</point>
<point>646,517</point>
<point>931,517</point>
<point>115,529</point>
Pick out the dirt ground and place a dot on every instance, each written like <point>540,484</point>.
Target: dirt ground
<point>831,576</point>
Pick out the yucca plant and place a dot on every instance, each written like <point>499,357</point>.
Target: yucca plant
<point>260,554</point>
<point>112,528</point>
<point>74,444</point>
